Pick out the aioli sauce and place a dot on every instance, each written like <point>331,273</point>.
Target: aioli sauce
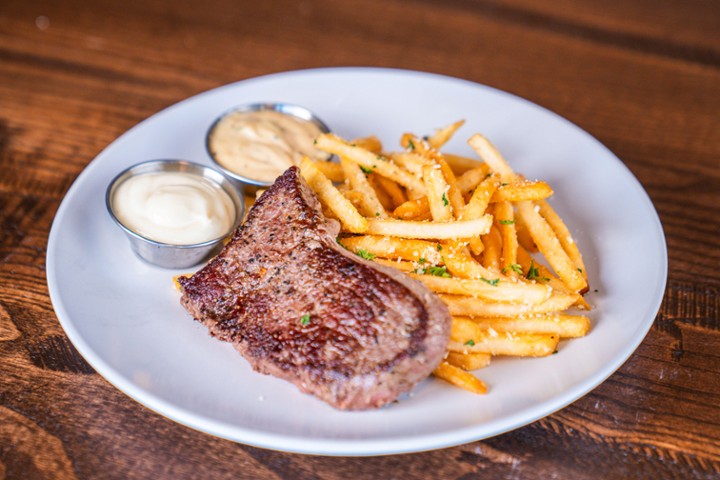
<point>176,208</point>
<point>261,145</point>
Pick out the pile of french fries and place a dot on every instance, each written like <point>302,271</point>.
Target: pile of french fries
<point>471,230</point>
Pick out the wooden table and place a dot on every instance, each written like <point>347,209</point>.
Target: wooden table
<point>641,76</point>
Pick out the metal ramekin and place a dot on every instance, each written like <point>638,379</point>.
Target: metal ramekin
<point>250,185</point>
<point>163,254</point>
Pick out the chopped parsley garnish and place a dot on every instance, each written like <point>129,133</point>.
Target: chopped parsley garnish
<point>365,254</point>
<point>377,214</point>
<point>438,271</point>
<point>365,169</point>
<point>533,273</point>
<point>470,342</point>
<point>504,184</point>
<point>579,270</point>
<point>517,268</point>
<point>444,199</point>
<point>422,260</point>
<point>411,145</point>
<point>507,222</point>
<point>493,282</point>
<point>305,319</point>
<point>438,247</point>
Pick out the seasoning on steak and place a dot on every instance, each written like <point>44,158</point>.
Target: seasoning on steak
<point>299,306</point>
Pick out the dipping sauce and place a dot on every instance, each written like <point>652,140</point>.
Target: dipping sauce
<point>261,145</point>
<point>176,208</point>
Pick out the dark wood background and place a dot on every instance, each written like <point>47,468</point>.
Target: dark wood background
<point>642,76</point>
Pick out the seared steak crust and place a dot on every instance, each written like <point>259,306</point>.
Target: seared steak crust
<point>298,306</point>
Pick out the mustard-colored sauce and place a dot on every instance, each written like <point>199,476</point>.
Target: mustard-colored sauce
<point>261,145</point>
<point>176,208</point>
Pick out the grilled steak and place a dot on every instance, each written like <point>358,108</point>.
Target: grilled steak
<point>299,306</point>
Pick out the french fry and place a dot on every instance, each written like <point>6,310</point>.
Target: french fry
<point>462,165</point>
<point>464,266</point>
<point>454,195</point>
<point>402,265</point>
<point>437,189</point>
<point>470,179</point>
<point>176,282</point>
<point>393,190</point>
<point>358,182</point>
<point>418,209</point>
<point>249,202</point>
<point>443,135</point>
<point>549,245</point>
<point>524,238</point>
<point>380,193</point>
<point>477,206</point>
<point>542,274</point>
<point>477,247</point>
<point>493,248</point>
<point>371,143</point>
<point>522,190</point>
<point>467,336</point>
<point>358,201</point>
<point>411,250</point>
<point>332,198</point>
<point>480,200</point>
<point>461,378</point>
<point>563,325</point>
<point>429,230</point>
<point>412,193</point>
<point>505,218</point>
<point>465,305</point>
<point>412,162</point>
<point>564,235</point>
<point>469,361</point>
<point>492,157</point>
<point>413,143</point>
<point>497,290</point>
<point>331,170</point>
<point>371,161</point>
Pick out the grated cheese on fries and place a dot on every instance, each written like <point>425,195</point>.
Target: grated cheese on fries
<point>474,231</point>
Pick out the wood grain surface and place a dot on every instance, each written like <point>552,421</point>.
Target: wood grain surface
<point>641,76</point>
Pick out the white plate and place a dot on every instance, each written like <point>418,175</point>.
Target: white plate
<point>125,319</point>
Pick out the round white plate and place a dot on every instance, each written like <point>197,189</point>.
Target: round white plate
<point>124,316</point>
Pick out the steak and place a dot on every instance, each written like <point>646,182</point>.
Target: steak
<point>299,306</point>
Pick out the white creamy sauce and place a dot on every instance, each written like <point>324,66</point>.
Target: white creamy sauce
<point>176,208</point>
<point>261,145</point>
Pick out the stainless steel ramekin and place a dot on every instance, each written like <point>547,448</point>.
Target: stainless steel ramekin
<point>163,254</point>
<point>251,185</point>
